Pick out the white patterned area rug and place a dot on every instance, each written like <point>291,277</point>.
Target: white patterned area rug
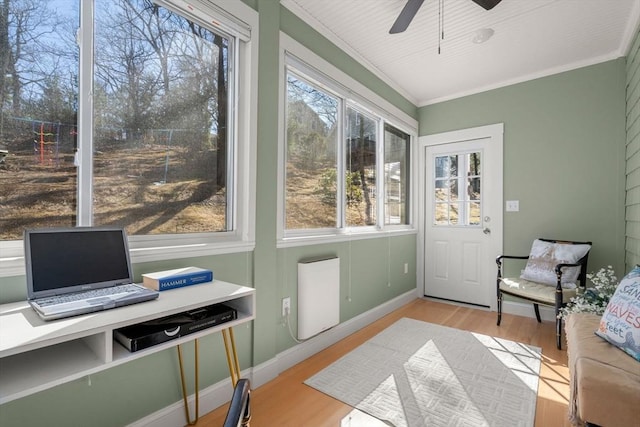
<point>416,373</point>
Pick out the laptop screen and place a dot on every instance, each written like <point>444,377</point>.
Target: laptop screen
<point>64,260</point>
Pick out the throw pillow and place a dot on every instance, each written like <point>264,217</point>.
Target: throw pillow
<point>620,323</point>
<point>545,256</point>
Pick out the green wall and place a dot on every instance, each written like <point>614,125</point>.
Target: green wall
<point>372,272</point>
<point>633,155</point>
<point>564,160</point>
<point>564,142</point>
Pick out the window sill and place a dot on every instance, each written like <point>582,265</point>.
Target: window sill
<point>14,265</point>
<point>316,239</point>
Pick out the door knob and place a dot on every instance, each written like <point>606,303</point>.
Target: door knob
<point>486,231</point>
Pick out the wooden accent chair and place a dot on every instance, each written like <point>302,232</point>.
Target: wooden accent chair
<point>239,412</point>
<point>561,261</point>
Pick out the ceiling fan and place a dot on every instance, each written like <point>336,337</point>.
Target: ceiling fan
<point>411,8</point>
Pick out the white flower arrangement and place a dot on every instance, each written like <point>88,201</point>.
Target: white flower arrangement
<point>594,299</point>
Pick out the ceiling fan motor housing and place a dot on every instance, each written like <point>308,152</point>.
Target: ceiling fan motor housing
<point>487,4</point>
<point>411,8</point>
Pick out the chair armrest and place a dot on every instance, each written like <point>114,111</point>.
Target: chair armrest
<point>558,271</point>
<point>501,257</point>
<point>559,267</point>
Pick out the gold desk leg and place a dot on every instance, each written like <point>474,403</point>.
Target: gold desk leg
<point>232,355</point>
<point>184,386</point>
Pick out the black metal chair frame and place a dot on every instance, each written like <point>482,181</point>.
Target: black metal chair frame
<point>239,412</point>
<point>559,303</point>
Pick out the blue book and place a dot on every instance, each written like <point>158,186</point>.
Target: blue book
<point>178,278</point>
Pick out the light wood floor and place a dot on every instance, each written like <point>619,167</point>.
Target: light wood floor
<point>286,401</point>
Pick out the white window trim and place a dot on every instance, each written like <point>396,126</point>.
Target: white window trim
<point>463,197</point>
<point>241,21</point>
<point>304,59</point>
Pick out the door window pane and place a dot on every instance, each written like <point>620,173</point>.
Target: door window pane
<point>360,182</point>
<point>161,122</point>
<point>474,214</point>
<point>474,188</point>
<point>453,206</point>
<point>474,164</point>
<point>311,167</point>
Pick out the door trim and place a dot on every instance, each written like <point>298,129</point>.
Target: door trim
<point>495,134</point>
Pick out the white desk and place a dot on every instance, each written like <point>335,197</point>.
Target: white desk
<point>36,355</point>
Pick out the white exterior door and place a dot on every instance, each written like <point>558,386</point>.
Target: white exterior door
<point>462,213</point>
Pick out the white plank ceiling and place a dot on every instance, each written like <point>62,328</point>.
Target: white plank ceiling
<point>532,38</point>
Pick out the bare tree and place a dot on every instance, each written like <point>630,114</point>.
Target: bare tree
<point>222,98</point>
<point>125,68</point>
<point>5,58</point>
<point>323,104</point>
<point>30,54</point>
<point>361,155</point>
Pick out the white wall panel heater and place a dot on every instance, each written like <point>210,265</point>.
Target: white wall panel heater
<point>318,296</point>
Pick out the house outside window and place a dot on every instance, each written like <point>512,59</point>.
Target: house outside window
<point>123,112</point>
<point>312,144</point>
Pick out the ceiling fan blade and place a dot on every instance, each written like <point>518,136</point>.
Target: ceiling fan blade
<point>406,16</point>
<point>487,4</point>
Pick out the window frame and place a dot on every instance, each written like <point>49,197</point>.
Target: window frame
<point>409,208</point>
<point>379,125</point>
<point>311,81</point>
<point>239,22</point>
<point>464,201</point>
<point>306,63</point>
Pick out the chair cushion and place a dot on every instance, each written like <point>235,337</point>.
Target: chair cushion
<point>538,291</point>
<point>545,256</point>
<point>620,323</point>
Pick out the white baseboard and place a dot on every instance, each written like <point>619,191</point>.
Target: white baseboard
<point>220,393</point>
<point>526,310</point>
<point>298,353</point>
<point>173,415</point>
<point>517,308</point>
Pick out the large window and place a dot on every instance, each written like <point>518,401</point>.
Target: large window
<point>346,166</point>
<point>124,112</point>
<point>161,121</point>
<point>312,144</point>
<point>157,154</point>
<point>38,115</point>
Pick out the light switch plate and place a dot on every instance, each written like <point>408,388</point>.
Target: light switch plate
<point>513,205</point>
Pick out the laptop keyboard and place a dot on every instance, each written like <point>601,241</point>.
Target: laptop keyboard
<point>85,295</point>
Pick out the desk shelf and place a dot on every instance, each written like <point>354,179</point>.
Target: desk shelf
<point>121,354</point>
<point>36,355</point>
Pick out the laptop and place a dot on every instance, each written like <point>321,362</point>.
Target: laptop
<point>73,271</point>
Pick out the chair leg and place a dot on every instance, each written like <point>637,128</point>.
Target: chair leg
<point>559,333</point>
<point>537,310</point>
<point>499,308</point>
